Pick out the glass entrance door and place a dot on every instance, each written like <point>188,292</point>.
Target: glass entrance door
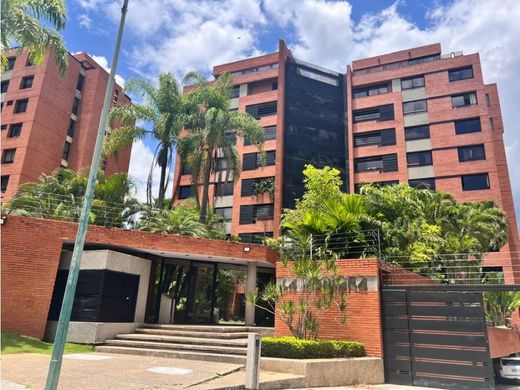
<point>201,299</point>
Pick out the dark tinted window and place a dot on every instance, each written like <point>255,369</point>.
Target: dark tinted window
<point>185,192</point>
<point>460,74</point>
<point>185,169</point>
<point>419,158</point>
<point>428,184</point>
<point>254,238</point>
<point>72,128</point>
<point>414,82</point>
<point>466,99</point>
<point>475,182</point>
<point>384,163</point>
<point>381,113</point>
<point>10,63</point>
<point>66,151</point>
<point>5,85</point>
<point>370,90</point>
<point>8,156</point>
<point>5,182</point>
<point>224,189</point>
<point>415,107</point>
<point>252,161</point>
<point>225,212</point>
<point>380,137</point>
<point>21,105</point>
<point>27,82</point>
<point>75,106</point>
<point>468,126</point>
<point>81,81</point>
<point>472,153</point>
<point>260,110</point>
<point>269,133</point>
<point>417,132</point>
<point>252,213</point>
<point>15,130</point>
<point>423,60</point>
<point>235,92</point>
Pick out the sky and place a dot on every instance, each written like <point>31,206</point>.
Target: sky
<point>178,36</point>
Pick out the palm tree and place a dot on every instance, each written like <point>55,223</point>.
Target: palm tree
<point>163,108</point>
<point>213,129</point>
<point>21,24</point>
<point>60,196</point>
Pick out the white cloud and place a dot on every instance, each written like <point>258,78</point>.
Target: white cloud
<point>103,62</point>
<point>139,170</point>
<point>85,21</point>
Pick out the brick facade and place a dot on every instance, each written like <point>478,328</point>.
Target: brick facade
<point>31,253</point>
<point>45,123</point>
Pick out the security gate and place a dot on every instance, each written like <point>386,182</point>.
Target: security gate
<point>435,337</point>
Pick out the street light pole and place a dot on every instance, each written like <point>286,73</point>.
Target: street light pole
<point>72,280</point>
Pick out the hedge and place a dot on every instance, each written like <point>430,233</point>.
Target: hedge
<point>293,348</point>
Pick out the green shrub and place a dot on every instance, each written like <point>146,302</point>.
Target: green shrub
<point>293,348</point>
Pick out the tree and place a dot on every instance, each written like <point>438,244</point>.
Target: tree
<point>499,305</point>
<point>21,24</point>
<point>212,132</point>
<point>60,196</point>
<point>163,109</point>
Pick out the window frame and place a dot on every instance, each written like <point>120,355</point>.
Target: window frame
<point>80,83</point>
<point>71,130</point>
<point>408,138</point>
<point>11,153</point>
<point>11,133</point>
<point>11,61</point>
<point>18,103</point>
<point>421,161</point>
<point>6,84</point>
<point>376,89</point>
<point>416,82</point>
<point>182,190</point>
<point>66,151</point>
<point>25,79</point>
<point>415,110</point>
<point>462,157</point>
<point>458,72</point>
<point>431,183</point>
<point>223,215</point>
<point>474,175</point>
<point>464,96</point>
<point>4,183</point>
<point>467,120</point>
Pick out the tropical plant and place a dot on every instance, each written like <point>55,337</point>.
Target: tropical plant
<point>499,305</point>
<point>22,25</point>
<point>264,186</point>
<point>60,196</point>
<point>163,108</point>
<point>211,136</point>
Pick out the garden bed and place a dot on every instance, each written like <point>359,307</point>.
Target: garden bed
<point>293,348</point>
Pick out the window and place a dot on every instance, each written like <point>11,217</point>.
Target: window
<point>10,102</point>
<point>115,97</point>
<point>8,156</point>
<point>370,90</point>
<point>248,185</point>
<point>467,126</point>
<point>5,182</point>
<point>253,213</point>
<point>422,184</point>
<point>27,82</point>
<point>475,182</point>
<point>460,74</point>
<point>254,238</point>
<point>466,99</point>
<point>417,132</point>
<point>381,113</point>
<point>75,106</point>
<point>81,81</point>
<point>185,169</point>
<point>380,137</point>
<point>492,124</point>
<point>72,128</point>
<point>221,164</point>
<point>5,85</point>
<point>384,163</point>
<point>11,61</point>
<point>14,130</point>
<point>252,161</point>
<point>21,105</point>
<point>185,192</point>
<point>263,109</point>
<point>28,62</point>
<point>235,92</point>
<point>224,189</point>
<point>415,107</point>
<point>423,60</point>
<point>262,68</point>
<point>359,186</point>
<point>414,82</point>
<point>66,151</point>
<point>471,153</point>
<point>318,76</point>
<point>3,127</point>
<point>225,212</point>
<point>488,101</point>
<point>274,86</point>
<point>269,133</point>
<point>417,159</point>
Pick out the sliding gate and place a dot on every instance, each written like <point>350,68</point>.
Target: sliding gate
<point>435,337</point>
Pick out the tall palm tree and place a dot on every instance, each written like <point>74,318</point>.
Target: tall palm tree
<point>213,129</point>
<point>60,196</point>
<point>22,24</point>
<point>162,107</point>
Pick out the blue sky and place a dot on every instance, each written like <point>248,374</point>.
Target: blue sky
<point>182,35</point>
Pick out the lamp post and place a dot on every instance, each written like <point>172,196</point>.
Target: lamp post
<point>72,280</point>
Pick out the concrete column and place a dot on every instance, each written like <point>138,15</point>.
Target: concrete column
<point>250,288</point>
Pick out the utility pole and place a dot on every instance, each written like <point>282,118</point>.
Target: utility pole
<point>72,280</point>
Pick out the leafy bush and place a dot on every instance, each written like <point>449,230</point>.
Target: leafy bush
<point>293,348</point>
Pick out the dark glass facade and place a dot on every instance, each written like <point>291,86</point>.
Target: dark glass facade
<point>314,126</point>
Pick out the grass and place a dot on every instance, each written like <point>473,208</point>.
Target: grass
<point>15,343</point>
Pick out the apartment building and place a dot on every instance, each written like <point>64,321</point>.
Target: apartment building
<point>51,120</point>
<point>416,116</point>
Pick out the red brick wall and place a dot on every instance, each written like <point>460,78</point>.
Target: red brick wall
<point>31,252</point>
<point>393,274</point>
<point>363,310</point>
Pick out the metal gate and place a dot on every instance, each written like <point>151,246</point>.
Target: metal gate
<point>435,337</point>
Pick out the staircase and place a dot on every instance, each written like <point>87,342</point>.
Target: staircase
<point>195,342</point>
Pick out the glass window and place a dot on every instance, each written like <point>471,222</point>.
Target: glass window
<point>264,212</point>
<point>475,182</point>
<point>471,153</point>
<point>235,92</point>
<point>225,212</point>
<point>366,139</point>
<point>5,85</point>
<point>317,76</point>
<point>5,182</point>
<point>368,164</point>
<point>415,107</point>
<point>414,82</point>
<point>27,82</point>
<point>466,99</point>
<point>415,159</point>
<point>185,192</point>
<point>72,128</point>
<point>66,150</point>
<point>75,106</point>
<point>14,130</point>
<point>263,109</point>
<point>370,91</point>
<point>8,156</point>
<point>467,126</point>
<point>417,132</point>
<point>81,81</point>
<point>422,184</point>
<point>21,105</point>
<point>221,164</point>
<point>460,74</point>
<point>10,63</point>
<point>488,101</point>
<point>185,169</point>
<point>224,189</point>
<point>491,124</point>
